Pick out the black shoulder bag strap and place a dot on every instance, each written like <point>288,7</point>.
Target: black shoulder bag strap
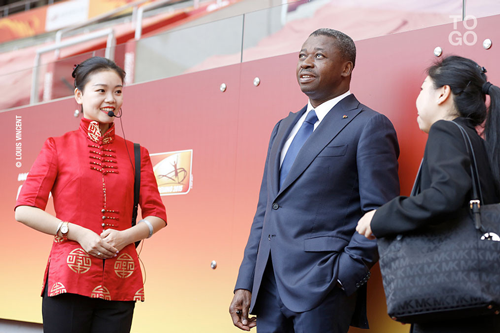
<point>416,185</point>
<point>477,195</point>
<point>137,184</point>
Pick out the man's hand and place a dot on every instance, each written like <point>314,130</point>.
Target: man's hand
<point>364,225</point>
<point>239,310</point>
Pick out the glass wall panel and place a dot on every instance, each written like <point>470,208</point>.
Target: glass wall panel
<point>16,88</point>
<point>52,79</point>
<point>481,8</point>
<point>255,35</point>
<point>283,29</point>
<point>187,50</point>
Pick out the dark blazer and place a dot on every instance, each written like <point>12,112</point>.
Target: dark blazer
<point>445,188</point>
<point>347,167</point>
<point>445,184</point>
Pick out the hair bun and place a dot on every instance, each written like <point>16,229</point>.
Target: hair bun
<point>75,67</point>
<point>486,88</point>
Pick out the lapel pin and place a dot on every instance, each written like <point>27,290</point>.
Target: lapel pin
<point>344,116</point>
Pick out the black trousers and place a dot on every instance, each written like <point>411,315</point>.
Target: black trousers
<point>70,313</point>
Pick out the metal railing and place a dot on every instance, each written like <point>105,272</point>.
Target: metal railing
<point>134,5</point>
<point>37,80</point>
<point>110,44</point>
<point>140,13</point>
<point>154,5</point>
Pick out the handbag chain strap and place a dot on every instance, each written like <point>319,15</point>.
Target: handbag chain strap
<point>477,195</point>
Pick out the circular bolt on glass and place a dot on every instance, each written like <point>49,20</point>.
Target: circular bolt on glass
<point>213,264</point>
<point>223,87</point>
<point>256,82</point>
<point>438,51</point>
<point>487,44</point>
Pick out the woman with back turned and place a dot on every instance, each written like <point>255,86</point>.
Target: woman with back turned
<point>93,277</point>
<point>454,91</point>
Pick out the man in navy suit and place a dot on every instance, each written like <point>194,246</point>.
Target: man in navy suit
<point>305,267</point>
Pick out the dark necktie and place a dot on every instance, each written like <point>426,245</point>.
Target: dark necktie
<point>300,138</point>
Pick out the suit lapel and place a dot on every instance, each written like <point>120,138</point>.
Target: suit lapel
<point>333,123</point>
<point>284,130</point>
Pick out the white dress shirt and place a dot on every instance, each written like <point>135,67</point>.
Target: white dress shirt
<point>321,112</point>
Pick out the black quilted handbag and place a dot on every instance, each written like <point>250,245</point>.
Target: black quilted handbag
<point>448,271</point>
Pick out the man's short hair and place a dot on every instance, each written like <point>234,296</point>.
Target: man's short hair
<point>344,43</point>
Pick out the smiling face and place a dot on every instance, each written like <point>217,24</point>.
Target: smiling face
<point>101,94</point>
<point>322,73</point>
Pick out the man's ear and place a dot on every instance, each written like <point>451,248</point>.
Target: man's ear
<point>347,70</point>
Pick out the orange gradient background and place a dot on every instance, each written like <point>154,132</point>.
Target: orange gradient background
<point>228,133</point>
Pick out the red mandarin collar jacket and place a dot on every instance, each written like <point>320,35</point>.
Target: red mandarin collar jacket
<point>91,178</point>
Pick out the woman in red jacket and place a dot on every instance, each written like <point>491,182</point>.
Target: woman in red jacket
<point>93,276</point>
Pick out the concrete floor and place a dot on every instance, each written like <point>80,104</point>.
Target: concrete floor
<point>12,326</point>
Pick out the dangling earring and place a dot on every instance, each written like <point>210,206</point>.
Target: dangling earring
<point>78,112</point>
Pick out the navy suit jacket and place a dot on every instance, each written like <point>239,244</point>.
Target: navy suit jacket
<point>348,166</point>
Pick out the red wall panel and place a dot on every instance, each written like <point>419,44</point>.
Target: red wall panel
<point>228,133</point>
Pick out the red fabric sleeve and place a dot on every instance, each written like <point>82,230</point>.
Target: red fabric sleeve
<point>36,189</point>
<point>149,198</point>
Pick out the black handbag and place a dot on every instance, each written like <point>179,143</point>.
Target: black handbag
<point>447,271</point>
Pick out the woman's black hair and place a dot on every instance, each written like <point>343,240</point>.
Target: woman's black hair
<point>81,72</point>
<point>469,85</point>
